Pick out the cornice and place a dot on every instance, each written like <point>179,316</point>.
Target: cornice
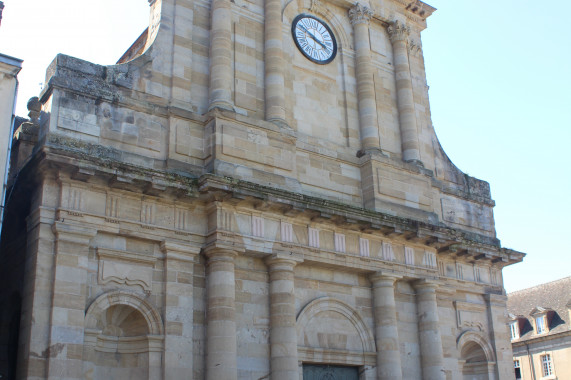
<point>416,8</point>
<point>538,339</point>
<point>87,162</point>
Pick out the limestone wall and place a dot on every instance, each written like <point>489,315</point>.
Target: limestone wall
<point>220,207</point>
<point>153,108</point>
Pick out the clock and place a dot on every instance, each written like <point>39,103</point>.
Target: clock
<point>314,39</point>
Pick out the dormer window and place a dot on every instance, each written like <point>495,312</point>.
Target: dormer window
<point>515,324</point>
<point>541,317</point>
<point>514,329</point>
<point>540,324</point>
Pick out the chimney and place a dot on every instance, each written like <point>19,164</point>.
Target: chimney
<point>1,9</point>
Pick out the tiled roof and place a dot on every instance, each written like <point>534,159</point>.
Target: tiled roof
<point>555,295</point>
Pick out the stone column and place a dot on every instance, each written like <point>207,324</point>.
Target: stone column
<point>274,63</point>
<point>221,315</point>
<point>283,334</point>
<point>221,56</point>
<point>179,310</point>
<point>69,300</point>
<point>369,129</point>
<point>386,329</point>
<point>399,33</point>
<point>431,352</point>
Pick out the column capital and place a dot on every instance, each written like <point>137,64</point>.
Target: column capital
<point>360,14</point>
<point>384,278</point>
<point>179,251</point>
<point>283,259</point>
<point>73,233</point>
<point>216,253</point>
<point>426,284</point>
<point>398,31</point>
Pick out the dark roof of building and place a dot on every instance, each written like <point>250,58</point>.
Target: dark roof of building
<point>553,297</point>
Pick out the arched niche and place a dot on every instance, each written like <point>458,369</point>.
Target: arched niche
<point>123,337</point>
<point>477,359</point>
<point>332,332</point>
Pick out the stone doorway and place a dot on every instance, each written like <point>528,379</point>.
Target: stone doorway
<point>329,372</point>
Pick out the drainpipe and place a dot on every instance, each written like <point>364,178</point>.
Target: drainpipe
<point>530,361</point>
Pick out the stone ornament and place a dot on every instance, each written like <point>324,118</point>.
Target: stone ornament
<point>414,47</point>
<point>360,14</point>
<point>398,31</point>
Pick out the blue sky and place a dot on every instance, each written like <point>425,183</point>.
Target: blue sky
<point>500,79</point>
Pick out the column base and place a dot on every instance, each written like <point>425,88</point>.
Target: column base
<point>283,125</point>
<point>221,105</point>
<point>371,152</point>
<point>415,162</point>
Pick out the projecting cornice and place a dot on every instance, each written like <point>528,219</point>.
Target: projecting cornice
<point>85,162</point>
<point>417,8</point>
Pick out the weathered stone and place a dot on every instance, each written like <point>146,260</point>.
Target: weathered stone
<point>218,206</point>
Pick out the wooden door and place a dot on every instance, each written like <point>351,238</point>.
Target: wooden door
<point>329,372</point>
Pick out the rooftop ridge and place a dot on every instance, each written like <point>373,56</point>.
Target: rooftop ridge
<point>538,286</point>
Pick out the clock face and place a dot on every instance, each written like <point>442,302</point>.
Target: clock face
<point>314,39</point>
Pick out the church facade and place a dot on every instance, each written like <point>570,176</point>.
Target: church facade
<point>255,191</point>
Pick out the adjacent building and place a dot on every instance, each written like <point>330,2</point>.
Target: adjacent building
<point>9,69</point>
<point>540,326</point>
<point>255,192</point>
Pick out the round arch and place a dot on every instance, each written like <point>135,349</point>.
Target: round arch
<point>329,304</point>
<point>468,338</point>
<point>122,297</point>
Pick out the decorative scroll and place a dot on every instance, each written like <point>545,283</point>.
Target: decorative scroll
<point>126,268</point>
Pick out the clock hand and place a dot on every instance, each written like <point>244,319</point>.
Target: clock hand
<point>314,38</point>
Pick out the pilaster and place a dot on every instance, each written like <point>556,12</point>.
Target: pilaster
<point>369,129</point>
<point>221,314</point>
<point>274,63</point>
<point>283,334</point>
<point>179,309</point>
<point>399,35</point>
<point>221,56</point>
<point>65,352</point>
<point>432,356</point>
<point>386,327</point>
<point>500,335</point>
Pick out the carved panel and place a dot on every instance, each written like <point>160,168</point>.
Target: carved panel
<point>340,243</point>
<point>125,268</point>
<point>388,253</point>
<point>257,226</point>
<point>409,256</point>
<point>313,237</point>
<point>364,247</point>
<point>181,219</point>
<point>470,315</point>
<point>148,213</point>
<point>429,259</point>
<point>287,232</point>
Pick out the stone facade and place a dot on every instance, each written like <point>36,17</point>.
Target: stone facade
<point>540,326</point>
<point>218,206</point>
